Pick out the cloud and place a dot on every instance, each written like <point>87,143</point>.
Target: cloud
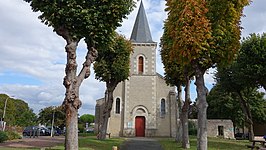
<point>254,20</point>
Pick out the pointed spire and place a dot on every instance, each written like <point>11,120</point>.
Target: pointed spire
<point>141,31</point>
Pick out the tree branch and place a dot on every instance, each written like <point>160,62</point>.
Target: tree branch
<point>92,54</point>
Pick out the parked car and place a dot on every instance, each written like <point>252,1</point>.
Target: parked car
<point>56,130</point>
<point>30,131</point>
<point>44,131</point>
<point>89,130</point>
<point>36,131</point>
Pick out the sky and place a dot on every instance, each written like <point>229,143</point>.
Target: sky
<point>32,56</point>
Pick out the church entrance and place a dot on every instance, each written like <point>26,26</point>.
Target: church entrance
<point>140,126</point>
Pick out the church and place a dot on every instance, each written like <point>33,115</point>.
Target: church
<point>144,105</point>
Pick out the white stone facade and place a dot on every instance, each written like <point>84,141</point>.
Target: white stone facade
<point>143,105</point>
<point>142,96</point>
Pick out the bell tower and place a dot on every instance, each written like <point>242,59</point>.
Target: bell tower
<point>143,59</point>
<point>144,104</point>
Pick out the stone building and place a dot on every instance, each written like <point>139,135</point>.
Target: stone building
<point>143,105</point>
<point>218,128</point>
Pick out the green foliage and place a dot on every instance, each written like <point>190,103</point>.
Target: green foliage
<point>46,115</point>
<point>12,135</point>
<point>189,32</point>
<point>94,19</point>
<point>252,60</point>
<point>224,105</point>
<point>257,104</point>
<point>225,17</point>
<point>3,136</point>
<point>232,81</point>
<point>113,63</point>
<point>193,111</point>
<point>17,112</point>
<point>86,118</point>
<point>173,70</point>
<point>192,128</point>
<point>81,128</point>
<point>205,33</point>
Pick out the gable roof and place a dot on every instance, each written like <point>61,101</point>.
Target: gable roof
<point>141,31</point>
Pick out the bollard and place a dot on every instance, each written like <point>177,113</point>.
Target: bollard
<point>114,148</point>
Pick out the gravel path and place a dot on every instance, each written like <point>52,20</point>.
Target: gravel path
<point>141,144</point>
<point>39,142</point>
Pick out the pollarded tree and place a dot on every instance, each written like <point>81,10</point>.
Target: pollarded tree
<point>94,20</point>
<point>173,74</point>
<point>177,75</point>
<point>190,32</point>
<point>203,39</point>
<point>112,66</point>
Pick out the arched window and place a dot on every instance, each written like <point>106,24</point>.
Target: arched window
<point>140,65</point>
<point>117,106</point>
<point>162,107</point>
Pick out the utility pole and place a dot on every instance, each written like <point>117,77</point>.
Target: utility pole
<point>4,113</point>
<point>52,128</point>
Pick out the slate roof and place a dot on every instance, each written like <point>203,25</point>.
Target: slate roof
<point>141,32</point>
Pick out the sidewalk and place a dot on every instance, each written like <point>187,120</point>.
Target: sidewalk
<point>141,144</point>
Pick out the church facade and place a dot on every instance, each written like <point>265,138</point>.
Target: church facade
<point>144,105</point>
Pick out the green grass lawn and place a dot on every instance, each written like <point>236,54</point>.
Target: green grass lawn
<point>213,144</point>
<point>88,142</point>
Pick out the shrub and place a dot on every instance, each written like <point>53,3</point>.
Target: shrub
<point>13,135</point>
<point>192,128</point>
<point>81,128</point>
<point>3,136</point>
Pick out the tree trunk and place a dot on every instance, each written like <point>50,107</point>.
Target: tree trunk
<point>71,137</point>
<point>248,116</point>
<point>185,141</point>
<point>71,102</point>
<point>179,110</point>
<point>72,83</point>
<point>202,110</point>
<point>107,109</point>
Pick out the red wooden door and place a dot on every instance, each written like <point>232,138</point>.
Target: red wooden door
<point>140,126</point>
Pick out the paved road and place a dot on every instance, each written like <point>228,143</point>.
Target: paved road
<point>141,144</point>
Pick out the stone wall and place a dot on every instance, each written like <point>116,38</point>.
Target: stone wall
<point>219,128</point>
